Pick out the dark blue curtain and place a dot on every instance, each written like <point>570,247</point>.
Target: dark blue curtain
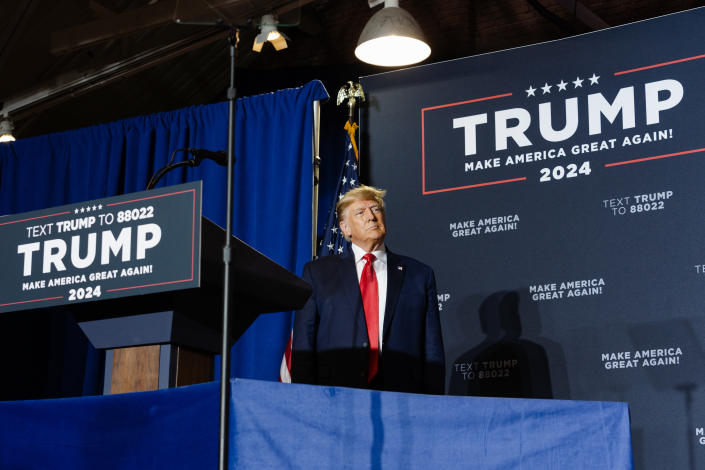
<point>272,202</point>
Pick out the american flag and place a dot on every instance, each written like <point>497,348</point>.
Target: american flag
<point>333,241</point>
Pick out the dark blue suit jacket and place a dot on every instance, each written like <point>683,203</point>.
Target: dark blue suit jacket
<point>330,345</point>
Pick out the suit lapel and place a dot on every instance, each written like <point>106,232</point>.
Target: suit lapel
<point>351,286</point>
<point>395,278</point>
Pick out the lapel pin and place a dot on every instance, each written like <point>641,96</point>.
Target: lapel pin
<point>400,268</point>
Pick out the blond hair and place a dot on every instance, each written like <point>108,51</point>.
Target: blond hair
<point>361,193</point>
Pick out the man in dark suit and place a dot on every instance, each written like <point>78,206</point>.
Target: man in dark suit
<point>372,320</point>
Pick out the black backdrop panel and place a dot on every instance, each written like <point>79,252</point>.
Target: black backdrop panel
<point>558,192</point>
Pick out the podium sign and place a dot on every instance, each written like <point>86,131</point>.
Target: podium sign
<point>133,244</point>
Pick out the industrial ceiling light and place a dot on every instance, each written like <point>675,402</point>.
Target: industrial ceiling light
<point>392,38</point>
<point>6,128</point>
<point>268,32</point>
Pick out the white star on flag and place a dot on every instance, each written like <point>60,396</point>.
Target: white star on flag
<point>578,82</point>
<point>561,85</point>
<point>330,246</point>
<point>530,91</point>
<point>340,249</point>
<point>345,180</point>
<point>546,88</point>
<point>594,79</point>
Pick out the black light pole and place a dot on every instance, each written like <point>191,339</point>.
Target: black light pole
<point>233,39</point>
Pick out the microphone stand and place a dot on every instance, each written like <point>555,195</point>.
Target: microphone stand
<point>233,39</point>
<point>163,171</point>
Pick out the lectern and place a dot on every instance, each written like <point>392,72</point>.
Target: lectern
<point>142,275</point>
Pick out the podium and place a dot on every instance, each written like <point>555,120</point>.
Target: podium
<point>142,274</point>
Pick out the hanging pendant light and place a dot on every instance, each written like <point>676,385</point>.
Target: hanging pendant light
<point>392,38</point>
<point>6,128</point>
<point>269,33</point>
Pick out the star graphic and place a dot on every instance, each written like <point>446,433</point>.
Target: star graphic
<point>561,85</point>
<point>340,196</point>
<point>75,211</point>
<point>354,167</point>
<point>94,207</point>
<point>347,163</point>
<point>594,79</point>
<point>546,88</point>
<point>530,91</point>
<point>334,229</point>
<point>352,182</point>
<point>88,209</point>
<point>330,246</point>
<point>578,82</point>
<point>82,210</point>
<point>100,206</point>
<point>340,249</point>
<point>345,180</point>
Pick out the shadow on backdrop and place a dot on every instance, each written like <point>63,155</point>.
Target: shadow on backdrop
<point>503,364</point>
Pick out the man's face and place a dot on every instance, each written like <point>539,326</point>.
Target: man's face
<point>363,223</point>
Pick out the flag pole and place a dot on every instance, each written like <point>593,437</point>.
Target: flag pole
<point>316,171</point>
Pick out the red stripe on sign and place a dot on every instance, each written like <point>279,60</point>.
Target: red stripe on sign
<point>149,285</point>
<point>193,232</point>
<point>657,157</point>
<point>489,183</point>
<point>193,244</point>
<point>34,218</point>
<point>28,301</point>
<point>423,143</point>
<point>150,197</point>
<point>485,98</point>
<point>662,64</point>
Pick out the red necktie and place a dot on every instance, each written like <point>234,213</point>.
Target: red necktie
<point>370,302</point>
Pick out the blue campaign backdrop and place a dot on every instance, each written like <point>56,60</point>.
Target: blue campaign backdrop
<point>556,189</point>
<point>272,213</point>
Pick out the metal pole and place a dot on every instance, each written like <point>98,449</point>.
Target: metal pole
<point>234,38</point>
<point>316,166</point>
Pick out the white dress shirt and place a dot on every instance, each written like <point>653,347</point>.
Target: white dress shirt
<point>380,267</point>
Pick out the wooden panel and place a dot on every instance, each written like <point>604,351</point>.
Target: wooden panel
<point>135,369</point>
<point>193,367</point>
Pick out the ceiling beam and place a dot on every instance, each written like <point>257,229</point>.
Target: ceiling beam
<point>18,22</point>
<point>165,12</point>
<point>20,105</point>
<point>583,14</point>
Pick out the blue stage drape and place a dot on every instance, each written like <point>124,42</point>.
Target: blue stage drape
<point>272,175</point>
<point>299,426</point>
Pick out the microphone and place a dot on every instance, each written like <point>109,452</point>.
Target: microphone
<point>220,156</point>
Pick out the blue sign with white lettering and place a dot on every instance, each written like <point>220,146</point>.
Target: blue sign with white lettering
<point>120,246</point>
